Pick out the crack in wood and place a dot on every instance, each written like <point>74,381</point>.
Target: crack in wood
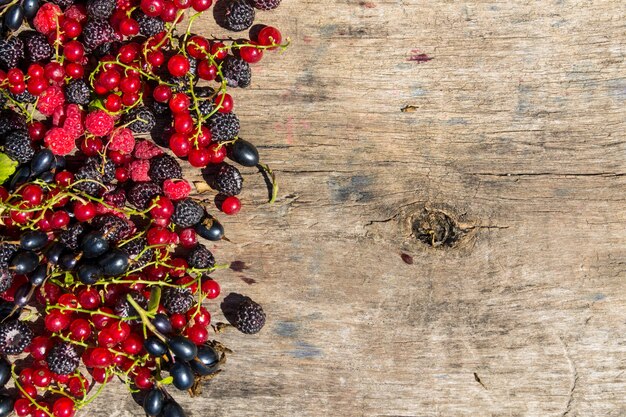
<point>574,381</point>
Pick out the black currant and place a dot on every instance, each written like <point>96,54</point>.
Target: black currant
<point>5,372</point>
<point>172,409</point>
<point>114,262</point>
<point>182,375</point>
<point>6,405</point>
<point>41,162</point>
<point>205,363</point>
<point>153,402</point>
<point>38,276</point>
<point>94,244</point>
<point>183,348</point>
<point>210,229</point>
<point>24,262</point>
<point>33,240</point>
<point>89,274</point>
<point>244,153</point>
<point>162,323</point>
<point>155,346</point>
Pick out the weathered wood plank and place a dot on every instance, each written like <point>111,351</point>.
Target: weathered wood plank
<point>517,134</point>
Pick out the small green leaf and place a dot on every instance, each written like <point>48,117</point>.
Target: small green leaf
<point>167,381</point>
<point>7,167</point>
<point>155,299</point>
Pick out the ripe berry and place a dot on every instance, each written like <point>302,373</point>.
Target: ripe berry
<point>179,144</point>
<point>56,321</point>
<point>183,123</point>
<point>132,344</point>
<point>199,158</point>
<point>113,103</point>
<point>201,5</point>
<point>269,36</point>
<point>231,205</point>
<point>162,93</point>
<point>156,58</point>
<point>74,70</point>
<point>129,27</point>
<point>198,334</point>
<point>224,103</point>
<point>179,103</point>
<point>211,288</point>
<point>218,51</point>
<point>42,377</point>
<point>207,71</point>
<point>251,54</point>
<point>198,46</point>
<point>178,65</point>
<point>32,194</point>
<point>188,238</point>
<point>162,207</point>
<point>217,153</point>
<point>74,51</point>
<point>84,211</point>
<point>152,8</point>
<point>63,407</point>
<point>72,28</point>
<point>80,329</point>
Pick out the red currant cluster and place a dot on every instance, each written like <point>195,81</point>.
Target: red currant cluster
<point>101,240</point>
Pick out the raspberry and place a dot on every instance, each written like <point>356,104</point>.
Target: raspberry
<point>59,141</point>
<point>139,170</point>
<point>99,123</point>
<point>73,124</point>
<point>122,140</point>
<point>146,150</point>
<point>50,99</point>
<point>46,19</point>
<point>176,189</point>
<point>76,12</point>
<point>163,167</point>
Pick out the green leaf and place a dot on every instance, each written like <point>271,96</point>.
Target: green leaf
<point>167,381</point>
<point>7,167</point>
<point>155,299</point>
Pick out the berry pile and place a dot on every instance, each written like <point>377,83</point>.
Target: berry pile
<point>104,263</point>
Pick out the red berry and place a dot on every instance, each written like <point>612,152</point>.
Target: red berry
<point>89,298</point>
<point>40,346</point>
<point>211,288</point>
<point>179,144</point>
<point>36,70</point>
<point>183,123</point>
<point>74,51</point>
<point>132,344</point>
<point>207,71</point>
<point>59,219</point>
<point>30,390</point>
<point>58,141</point>
<point>217,153</point>
<point>77,386</point>
<point>54,71</point>
<point>162,207</point>
<point>42,377</point>
<point>129,52</point>
<point>198,334</point>
<point>231,205</point>
<point>118,330</point>
<point>80,329</point>
<point>199,158</point>
<point>224,102</point>
<point>113,103</point>
<point>182,4</point>
<point>201,5</point>
<point>251,54</point>
<point>158,236</point>
<point>91,146</point>
<point>84,211</point>
<point>74,70</point>
<point>47,18</point>
<point>22,407</point>
<point>202,316</point>
<point>198,46</point>
<point>26,376</point>
<point>129,99</point>
<point>152,8</point>
<point>130,84</point>
<point>162,93</point>
<point>15,76</point>
<point>179,103</point>
<point>56,321</point>
<point>204,138</point>
<point>188,238</point>
<point>36,86</point>
<point>176,189</point>
<point>100,376</point>
<point>99,122</point>
<point>63,407</point>
<point>156,58</point>
<point>64,178</point>
<point>101,357</point>
<point>269,36</point>
<point>178,65</point>
<point>32,194</point>
<point>109,78</point>
<point>129,27</point>
<point>219,51</point>
<point>72,28</point>
<point>178,321</point>
<point>36,130</point>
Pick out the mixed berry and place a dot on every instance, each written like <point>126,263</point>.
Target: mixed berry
<point>105,254</point>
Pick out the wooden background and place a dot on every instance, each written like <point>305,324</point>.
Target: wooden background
<point>515,132</point>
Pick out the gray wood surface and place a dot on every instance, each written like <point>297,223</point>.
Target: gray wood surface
<point>512,149</point>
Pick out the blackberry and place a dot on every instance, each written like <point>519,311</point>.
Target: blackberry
<point>9,121</point>
<point>90,180</point>
<point>140,120</point>
<point>148,26</point>
<point>11,53</point>
<point>17,145</point>
<point>7,250</point>
<point>224,126</point>
<point>14,337</point>
<point>6,278</point>
<point>159,108</point>
<point>239,16</point>
<point>205,100</point>
<point>124,309</point>
<point>37,46</point>
<point>105,168</point>
<point>116,198</point>
<point>177,300</point>
<point>266,4</point>
<point>97,32</point>
<point>141,193</point>
<point>134,248</point>
<point>228,180</point>
<point>187,213</point>
<point>111,227</point>
<point>63,359</point>
<point>250,317</point>
<point>201,257</point>
<point>70,237</point>
<point>64,4</point>
<point>24,97</point>
<point>164,167</point>
<point>236,72</point>
<point>100,9</point>
<point>77,92</point>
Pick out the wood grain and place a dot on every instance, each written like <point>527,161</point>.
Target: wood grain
<point>514,131</point>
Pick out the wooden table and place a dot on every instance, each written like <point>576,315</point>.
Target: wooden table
<point>449,237</point>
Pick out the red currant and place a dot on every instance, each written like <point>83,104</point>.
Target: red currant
<point>63,407</point>
<point>178,65</point>
<point>84,211</point>
<point>269,36</point>
<point>211,288</point>
<point>224,103</point>
<point>179,144</point>
<point>251,54</point>
<point>201,5</point>
<point>199,157</point>
<point>207,71</point>
<point>231,205</point>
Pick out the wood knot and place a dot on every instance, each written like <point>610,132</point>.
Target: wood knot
<point>436,228</point>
